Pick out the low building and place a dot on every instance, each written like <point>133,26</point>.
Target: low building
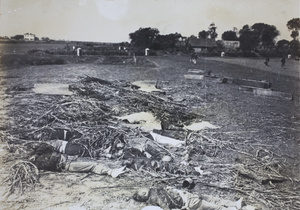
<point>202,45</point>
<point>29,37</point>
<point>180,43</point>
<point>230,45</point>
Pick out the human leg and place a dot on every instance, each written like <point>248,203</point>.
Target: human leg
<point>209,200</point>
<point>205,205</point>
<point>76,166</point>
<point>104,170</point>
<point>96,168</point>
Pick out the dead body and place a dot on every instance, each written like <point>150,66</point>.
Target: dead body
<point>171,198</point>
<point>145,154</point>
<point>46,158</point>
<point>137,153</point>
<point>69,148</point>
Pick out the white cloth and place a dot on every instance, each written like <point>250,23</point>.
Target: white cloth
<point>59,145</point>
<point>166,140</point>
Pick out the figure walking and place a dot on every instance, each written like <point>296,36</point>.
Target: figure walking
<point>134,58</point>
<point>193,58</point>
<point>267,60</point>
<point>282,62</point>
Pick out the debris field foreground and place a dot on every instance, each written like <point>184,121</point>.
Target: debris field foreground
<point>250,152</point>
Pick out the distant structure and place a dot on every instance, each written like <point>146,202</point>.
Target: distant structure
<point>29,37</point>
<point>79,51</point>
<point>202,45</point>
<point>146,51</point>
<point>182,41</point>
<point>231,45</point>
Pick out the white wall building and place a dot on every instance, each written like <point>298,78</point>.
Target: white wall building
<point>29,37</point>
<point>231,45</point>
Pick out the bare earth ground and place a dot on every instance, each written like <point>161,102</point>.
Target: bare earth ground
<point>249,126</point>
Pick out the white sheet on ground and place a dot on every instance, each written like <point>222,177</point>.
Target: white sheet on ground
<point>145,120</point>
<point>196,71</point>
<point>52,89</point>
<point>166,140</point>
<point>201,126</point>
<point>147,86</point>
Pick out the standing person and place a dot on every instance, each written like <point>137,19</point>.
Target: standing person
<point>193,58</point>
<point>134,58</point>
<point>282,62</point>
<point>267,60</point>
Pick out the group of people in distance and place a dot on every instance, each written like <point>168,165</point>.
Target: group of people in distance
<point>282,60</point>
<point>194,56</point>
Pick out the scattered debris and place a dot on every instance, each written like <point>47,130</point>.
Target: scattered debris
<point>193,76</point>
<point>268,93</point>
<point>199,74</point>
<point>263,178</point>
<point>23,176</point>
<point>252,83</point>
<point>153,135</point>
<point>273,94</point>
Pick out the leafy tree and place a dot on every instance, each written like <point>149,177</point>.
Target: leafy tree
<point>203,34</point>
<point>220,44</point>
<point>229,35</point>
<point>173,39</point>
<point>18,37</point>
<point>294,26</point>
<point>212,30</point>
<point>295,47</point>
<point>46,39</point>
<point>144,37</point>
<point>267,34</point>
<point>124,44</point>
<point>166,42</point>
<point>249,39</point>
<point>294,34</point>
<point>283,46</point>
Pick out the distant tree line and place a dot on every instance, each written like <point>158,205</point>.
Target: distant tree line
<point>20,37</point>
<point>150,38</point>
<point>259,37</point>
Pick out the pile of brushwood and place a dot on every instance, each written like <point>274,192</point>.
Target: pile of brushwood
<point>90,115</point>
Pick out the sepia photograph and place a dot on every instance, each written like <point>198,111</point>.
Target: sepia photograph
<point>149,104</point>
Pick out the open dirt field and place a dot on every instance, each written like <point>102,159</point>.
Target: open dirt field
<point>25,47</point>
<point>253,153</point>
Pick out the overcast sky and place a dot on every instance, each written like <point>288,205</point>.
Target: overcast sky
<point>113,20</point>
